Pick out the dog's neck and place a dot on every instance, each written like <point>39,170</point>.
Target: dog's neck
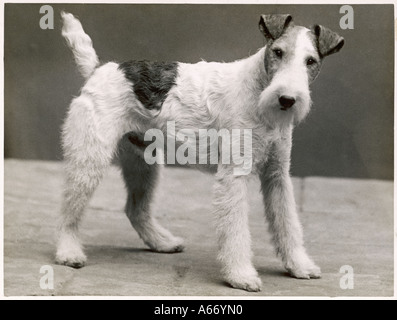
<point>253,70</point>
<point>251,79</point>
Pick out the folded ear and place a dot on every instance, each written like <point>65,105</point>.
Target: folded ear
<point>273,25</point>
<point>328,42</point>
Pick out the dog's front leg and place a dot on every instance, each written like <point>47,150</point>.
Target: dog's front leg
<point>280,209</point>
<point>231,218</point>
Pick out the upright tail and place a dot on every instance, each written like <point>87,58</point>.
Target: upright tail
<point>80,43</point>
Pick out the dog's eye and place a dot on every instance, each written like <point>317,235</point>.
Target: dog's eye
<point>278,53</point>
<point>310,61</point>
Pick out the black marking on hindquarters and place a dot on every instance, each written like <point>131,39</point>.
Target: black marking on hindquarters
<point>151,80</point>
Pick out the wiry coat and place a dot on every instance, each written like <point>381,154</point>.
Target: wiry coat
<point>267,93</point>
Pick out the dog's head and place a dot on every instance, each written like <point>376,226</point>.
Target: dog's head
<point>292,61</point>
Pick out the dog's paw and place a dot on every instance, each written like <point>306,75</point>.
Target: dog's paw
<point>71,259</point>
<point>302,267</point>
<point>70,253</point>
<point>169,245</point>
<point>74,261</point>
<point>246,281</point>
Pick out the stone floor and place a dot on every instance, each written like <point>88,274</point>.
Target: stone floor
<point>346,222</point>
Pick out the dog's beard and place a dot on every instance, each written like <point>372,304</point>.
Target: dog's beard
<point>271,112</point>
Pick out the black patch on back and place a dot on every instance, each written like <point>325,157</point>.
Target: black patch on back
<point>151,80</point>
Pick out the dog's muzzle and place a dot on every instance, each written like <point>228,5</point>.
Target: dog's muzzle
<point>286,102</point>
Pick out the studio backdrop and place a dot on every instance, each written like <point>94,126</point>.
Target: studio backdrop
<point>349,132</point>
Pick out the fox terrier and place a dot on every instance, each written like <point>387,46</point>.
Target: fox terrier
<point>267,93</point>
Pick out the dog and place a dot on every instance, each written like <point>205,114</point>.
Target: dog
<point>268,93</point>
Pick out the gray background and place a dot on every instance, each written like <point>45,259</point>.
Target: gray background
<point>349,132</point>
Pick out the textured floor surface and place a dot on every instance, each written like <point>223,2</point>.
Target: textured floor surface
<point>346,222</point>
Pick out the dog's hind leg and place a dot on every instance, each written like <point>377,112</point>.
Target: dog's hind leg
<point>90,137</point>
<point>140,179</point>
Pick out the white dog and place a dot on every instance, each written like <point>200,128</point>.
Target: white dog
<point>267,93</point>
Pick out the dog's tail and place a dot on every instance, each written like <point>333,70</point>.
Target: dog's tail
<point>80,43</point>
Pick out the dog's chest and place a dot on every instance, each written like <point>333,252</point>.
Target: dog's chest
<point>263,145</point>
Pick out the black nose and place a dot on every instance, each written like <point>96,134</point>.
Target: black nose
<point>286,102</point>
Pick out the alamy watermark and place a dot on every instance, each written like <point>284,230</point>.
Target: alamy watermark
<point>347,280</point>
<point>200,147</point>
<point>47,280</point>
